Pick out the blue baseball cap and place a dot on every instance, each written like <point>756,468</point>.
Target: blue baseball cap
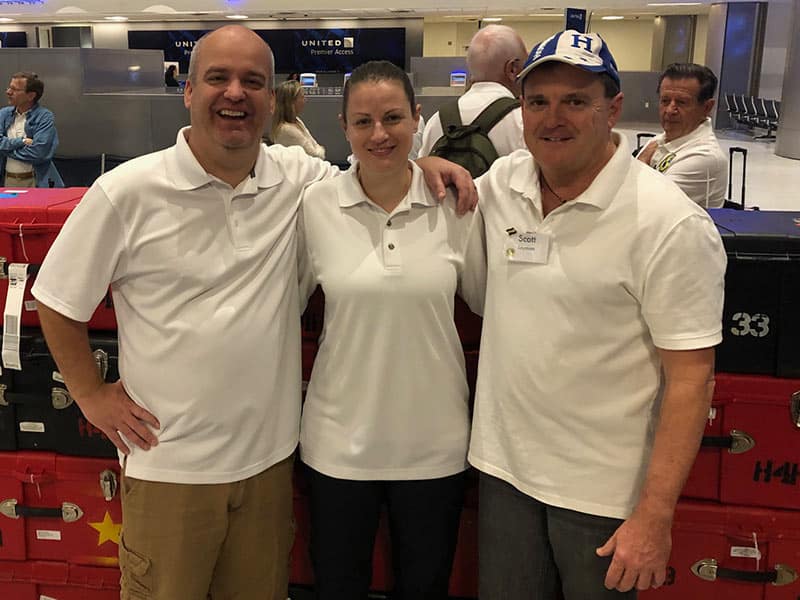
<point>585,50</point>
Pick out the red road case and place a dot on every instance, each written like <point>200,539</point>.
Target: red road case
<point>29,223</point>
<point>59,508</point>
<point>40,580</point>
<point>751,452</point>
<point>703,481</point>
<point>732,553</point>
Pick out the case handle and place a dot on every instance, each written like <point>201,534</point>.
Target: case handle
<point>68,512</point>
<point>738,442</point>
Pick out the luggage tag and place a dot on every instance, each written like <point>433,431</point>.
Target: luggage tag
<point>528,247</point>
<point>17,280</point>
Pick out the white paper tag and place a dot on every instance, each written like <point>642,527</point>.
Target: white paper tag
<point>528,247</point>
<point>31,427</point>
<point>47,534</point>
<point>30,305</point>
<point>712,414</point>
<point>9,191</point>
<point>17,279</point>
<point>43,597</point>
<point>57,377</point>
<point>745,552</point>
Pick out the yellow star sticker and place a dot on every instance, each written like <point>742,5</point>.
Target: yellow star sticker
<point>109,531</point>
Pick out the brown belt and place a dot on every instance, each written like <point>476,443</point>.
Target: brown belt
<point>27,175</point>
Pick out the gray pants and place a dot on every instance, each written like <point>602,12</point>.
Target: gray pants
<point>528,550</point>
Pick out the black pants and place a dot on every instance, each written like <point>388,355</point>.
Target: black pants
<point>423,522</point>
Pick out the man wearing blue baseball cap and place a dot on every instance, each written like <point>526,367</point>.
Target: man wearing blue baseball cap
<point>604,303</point>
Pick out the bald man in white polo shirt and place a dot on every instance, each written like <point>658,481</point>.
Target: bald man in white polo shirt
<point>603,305</point>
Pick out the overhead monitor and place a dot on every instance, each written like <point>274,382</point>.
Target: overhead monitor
<point>308,79</point>
<point>458,78</point>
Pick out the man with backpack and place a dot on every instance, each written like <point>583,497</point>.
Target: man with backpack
<point>494,59</point>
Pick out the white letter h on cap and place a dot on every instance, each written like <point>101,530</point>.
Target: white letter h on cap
<point>578,39</point>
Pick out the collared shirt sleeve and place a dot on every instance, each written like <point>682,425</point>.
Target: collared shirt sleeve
<point>85,259</point>
<point>684,289</point>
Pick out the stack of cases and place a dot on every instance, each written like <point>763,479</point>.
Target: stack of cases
<point>736,533</point>
<point>60,513</point>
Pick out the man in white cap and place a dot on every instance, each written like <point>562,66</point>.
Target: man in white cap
<point>603,306</point>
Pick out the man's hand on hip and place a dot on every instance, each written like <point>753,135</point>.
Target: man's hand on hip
<point>110,409</point>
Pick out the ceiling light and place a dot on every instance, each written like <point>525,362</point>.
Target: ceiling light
<point>116,18</point>
<point>6,20</point>
<point>674,3</point>
<point>237,17</point>
<point>492,19</point>
<point>612,18</point>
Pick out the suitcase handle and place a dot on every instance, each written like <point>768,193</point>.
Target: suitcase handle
<point>709,570</point>
<point>59,398</point>
<point>738,442</point>
<point>68,512</point>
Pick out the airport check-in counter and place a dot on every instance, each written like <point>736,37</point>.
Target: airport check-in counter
<point>114,102</point>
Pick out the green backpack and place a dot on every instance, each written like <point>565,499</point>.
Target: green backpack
<point>469,145</point>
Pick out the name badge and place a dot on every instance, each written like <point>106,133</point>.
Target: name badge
<point>528,247</point>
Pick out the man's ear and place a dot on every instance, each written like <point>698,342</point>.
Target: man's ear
<point>708,105</point>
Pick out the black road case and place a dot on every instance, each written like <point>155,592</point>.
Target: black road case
<point>761,318</point>
<point>36,410</point>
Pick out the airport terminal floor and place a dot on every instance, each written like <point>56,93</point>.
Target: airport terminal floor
<point>772,181</point>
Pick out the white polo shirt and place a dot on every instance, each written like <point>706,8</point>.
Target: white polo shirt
<point>506,136</point>
<point>16,131</point>
<point>569,379</point>
<point>388,394</point>
<point>204,281</point>
<point>696,163</point>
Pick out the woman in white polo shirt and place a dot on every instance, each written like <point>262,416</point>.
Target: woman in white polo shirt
<point>386,418</point>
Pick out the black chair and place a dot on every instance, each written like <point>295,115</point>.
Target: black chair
<point>761,120</point>
<point>730,106</point>
<point>773,108</point>
<point>741,110</point>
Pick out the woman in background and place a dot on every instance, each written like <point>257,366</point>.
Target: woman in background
<point>287,127</point>
<point>169,77</point>
<point>386,417</point>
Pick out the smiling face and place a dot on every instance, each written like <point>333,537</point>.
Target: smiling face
<point>679,108</point>
<point>380,125</point>
<point>567,119</point>
<point>230,95</point>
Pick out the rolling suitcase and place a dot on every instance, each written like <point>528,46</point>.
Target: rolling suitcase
<point>730,202</point>
<point>29,223</point>
<point>59,508</point>
<point>38,412</point>
<point>761,321</point>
